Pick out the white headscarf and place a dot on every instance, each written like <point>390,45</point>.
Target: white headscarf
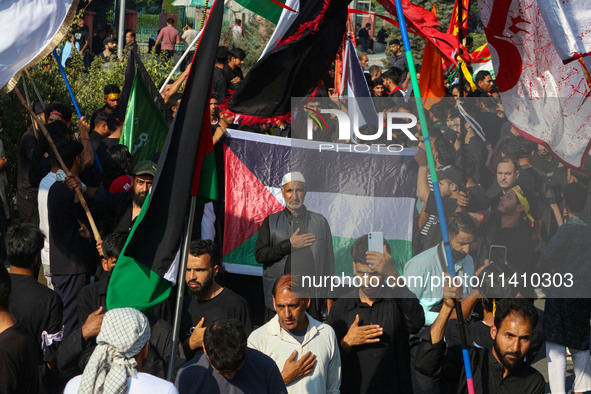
<point>124,332</point>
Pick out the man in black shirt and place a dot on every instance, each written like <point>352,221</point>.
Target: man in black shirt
<point>364,39</point>
<point>207,301</point>
<point>451,185</point>
<point>112,97</point>
<point>227,365</point>
<point>81,38</point>
<point>19,362</point>
<point>72,254</point>
<point>234,68</point>
<point>77,348</point>
<point>130,41</point>
<point>27,193</point>
<point>34,306</point>
<point>372,325</point>
<point>500,370</point>
<point>100,131</point>
<point>220,78</point>
<point>509,225</point>
<point>487,295</point>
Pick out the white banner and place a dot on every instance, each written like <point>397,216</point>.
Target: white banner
<point>547,100</point>
<point>32,29</point>
<point>568,25</point>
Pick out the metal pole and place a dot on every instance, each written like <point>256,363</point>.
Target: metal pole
<point>178,64</point>
<point>181,287</point>
<point>59,64</point>
<point>29,104</point>
<point>121,34</point>
<point>432,170</point>
<point>35,88</point>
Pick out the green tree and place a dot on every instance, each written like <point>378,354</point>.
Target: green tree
<point>86,85</point>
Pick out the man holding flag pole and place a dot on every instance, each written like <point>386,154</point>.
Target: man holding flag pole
<point>186,173</point>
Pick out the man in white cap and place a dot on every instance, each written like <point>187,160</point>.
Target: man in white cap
<point>295,241</point>
<point>122,346</point>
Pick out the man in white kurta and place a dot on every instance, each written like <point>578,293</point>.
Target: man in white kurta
<point>305,350</point>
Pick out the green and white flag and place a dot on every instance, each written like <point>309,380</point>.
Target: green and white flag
<point>144,130</point>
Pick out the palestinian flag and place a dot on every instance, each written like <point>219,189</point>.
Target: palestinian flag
<point>145,129</point>
<point>357,192</point>
<point>148,266</point>
<point>295,66</point>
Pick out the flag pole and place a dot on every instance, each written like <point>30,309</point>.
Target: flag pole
<point>433,172</point>
<point>28,104</point>
<point>35,89</point>
<point>63,72</point>
<point>63,166</point>
<point>463,131</point>
<point>38,98</point>
<point>204,15</point>
<point>181,287</point>
<point>178,64</point>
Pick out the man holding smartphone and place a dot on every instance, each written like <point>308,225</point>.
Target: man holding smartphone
<point>188,36</point>
<point>372,324</point>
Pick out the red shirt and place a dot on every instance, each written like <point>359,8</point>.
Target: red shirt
<point>169,36</point>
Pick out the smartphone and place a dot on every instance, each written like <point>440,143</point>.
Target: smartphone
<point>375,241</point>
<point>497,254</point>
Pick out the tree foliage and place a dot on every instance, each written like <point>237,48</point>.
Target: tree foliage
<point>444,13</point>
<point>86,85</point>
<point>257,33</point>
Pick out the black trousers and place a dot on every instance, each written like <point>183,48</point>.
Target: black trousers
<point>27,209</point>
<point>68,287</point>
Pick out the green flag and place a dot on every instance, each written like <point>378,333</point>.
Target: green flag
<point>268,9</point>
<point>144,130</point>
<point>148,265</point>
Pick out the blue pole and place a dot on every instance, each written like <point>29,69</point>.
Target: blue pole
<point>63,72</point>
<point>433,172</point>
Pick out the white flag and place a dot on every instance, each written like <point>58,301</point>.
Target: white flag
<point>32,29</point>
<point>568,25</point>
<point>546,100</point>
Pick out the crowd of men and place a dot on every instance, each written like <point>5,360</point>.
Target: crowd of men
<point>499,190</point>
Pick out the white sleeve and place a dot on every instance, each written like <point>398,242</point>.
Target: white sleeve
<point>333,373</point>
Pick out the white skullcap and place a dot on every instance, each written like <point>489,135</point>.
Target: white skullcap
<point>292,176</point>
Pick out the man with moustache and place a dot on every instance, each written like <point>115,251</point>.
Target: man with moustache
<point>500,370</point>
<point>304,349</point>
<point>207,301</point>
<point>296,241</point>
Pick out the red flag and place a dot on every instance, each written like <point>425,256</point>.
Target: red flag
<point>431,81</point>
<point>453,22</point>
<point>425,24</point>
